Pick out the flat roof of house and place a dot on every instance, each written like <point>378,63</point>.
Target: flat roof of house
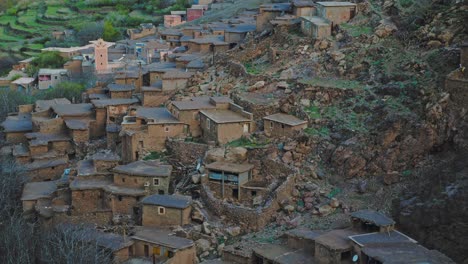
<point>172,201</point>
<point>194,104</point>
<point>303,3</point>
<point>410,253</point>
<point>43,105</point>
<point>38,138</point>
<point>23,80</point>
<point>89,184</point>
<point>114,87</point>
<point>161,237</point>
<point>285,119</point>
<point>229,167</point>
<point>17,125</point>
<point>122,190</point>
<point>188,57</point>
<point>170,33</point>
<point>111,241</point>
<point>105,156</point>
<point>179,12</point>
<point>336,239</point>
<point>305,233</point>
<point>316,20</point>
<point>157,115</point>
<point>77,124</point>
<point>210,40</point>
<point>241,28</point>
<point>281,254</point>
<point>377,237</point>
<point>38,190</point>
<point>101,103</point>
<point>221,116</point>
<point>373,217</point>
<point>196,64</point>
<point>52,71</point>
<point>160,67</point>
<point>176,74</point>
<point>145,168</point>
<point>73,109</point>
<point>42,164</point>
<point>336,4</point>
<point>277,7</point>
<point>86,168</point>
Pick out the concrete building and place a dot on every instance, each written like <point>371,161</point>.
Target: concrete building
<point>225,125</point>
<point>166,210</point>
<point>146,129</point>
<point>146,175</point>
<point>163,247</point>
<point>226,179</point>
<point>49,78</point>
<point>281,125</point>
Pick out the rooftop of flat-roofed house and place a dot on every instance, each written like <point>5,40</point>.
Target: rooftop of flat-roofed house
<point>281,254</point>
<point>105,156</point>
<point>12,124</point>
<point>102,103</point>
<point>221,116</point>
<point>394,253</point>
<point>303,3</point>
<point>196,64</point>
<point>156,87</point>
<point>38,138</point>
<point>161,237</point>
<point>316,20</point>
<point>336,4</point>
<point>52,71</point>
<point>172,201</point>
<point>285,119</point>
<point>121,190</point>
<point>73,109</point>
<point>86,168</point>
<point>278,7</point>
<point>387,237</point>
<point>179,12</point>
<point>241,28</point>
<point>114,87</point>
<point>194,104</point>
<point>170,33</point>
<point>175,74</point>
<point>229,167</point>
<point>145,168</point>
<point>160,66</point>
<point>77,124</point>
<point>110,241</point>
<point>43,105</point>
<point>38,190</point>
<point>24,81</point>
<point>41,164</point>
<point>89,184</point>
<point>217,41</point>
<point>373,217</point>
<point>188,57</point>
<point>305,233</point>
<point>336,239</point>
<point>127,75</point>
<point>156,115</point>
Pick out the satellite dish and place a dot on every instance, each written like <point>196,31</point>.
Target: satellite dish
<point>355,258</point>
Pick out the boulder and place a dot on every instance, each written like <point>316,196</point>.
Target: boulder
<point>334,203</point>
<point>287,157</point>
<point>257,200</point>
<point>434,44</point>
<point>259,84</point>
<point>385,28</point>
<point>391,178</point>
<point>202,245</point>
<point>282,85</point>
<point>233,231</point>
<point>196,178</point>
<point>289,208</point>
<point>305,102</point>
<point>326,210</point>
<point>206,228</point>
<point>288,75</point>
<point>337,56</point>
<point>215,154</point>
<point>197,215</point>
<point>237,154</point>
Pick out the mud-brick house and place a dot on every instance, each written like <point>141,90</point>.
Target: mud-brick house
<point>183,60</point>
<point>49,78</point>
<point>190,30</point>
<point>124,201</point>
<point>121,91</point>
<point>237,33</point>
<point>315,27</point>
<point>173,20</point>
<point>88,197</point>
<point>175,80</point>
<point>196,66</point>
<point>188,112</point>
<point>207,45</point>
<point>334,247</point>
<point>269,12</point>
<point>111,111</point>
<point>47,146</point>
<point>83,112</point>
<point>119,248</point>
<point>46,170</point>
<point>279,125</point>
<point>226,179</point>
<point>162,247</point>
<point>16,126</point>
<point>147,129</point>
<point>134,78</point>
<point>144,30</point>
<point>37,193</point>
<point>371,221</point>
<point>166,210</point>
<point>112,136</point>
<point>153,96</point>
<point>194,13</point>
<point>150,175</point>
<point>23,85</point>
<point>225,125</point>
<point>304,8</point>
<point>79,130</point>
<point>156,71</point>
<point>336,12</point>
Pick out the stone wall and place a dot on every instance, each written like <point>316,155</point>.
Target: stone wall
<point>249,218</point>
<point>186,152</point>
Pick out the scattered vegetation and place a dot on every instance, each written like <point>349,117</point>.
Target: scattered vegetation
<point>333,83</point>
<point>155,155</point>
<point>247,142</point>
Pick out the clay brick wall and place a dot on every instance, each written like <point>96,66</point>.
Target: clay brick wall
<point>26,108</point>
<point>50,126</point>
<point>190,118</point>
<point>139,182</point>
<point>249,218</point>
<point>234,37</point>
<point>63,147</point>
<point>172,216</point>
<point>121,256</point>
<point>186,256</point>
<point>38,149</point>
<point>336,15</point>
<point>80,136</point>
<point>105,165</point>
<point>276,129</point>
<point>89,201</point>
<point>112,140</point>
<point>157,135</point>
<point>101,118</point>
<point>46,174</point>
<point>230,131</point>
<point>99,218</point>
<point>174,84</point>
<point>186,152</point>
<point>121,94</point>
<point>123,205</point>
<point>154,98</point>
<point>16,137</point>
<point>263,20</point>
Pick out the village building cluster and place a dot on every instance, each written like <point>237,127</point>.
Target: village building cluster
<point>132,107</point>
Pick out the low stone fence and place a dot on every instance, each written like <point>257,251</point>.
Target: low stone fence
<point>250,219</point>
<point>186,152</point>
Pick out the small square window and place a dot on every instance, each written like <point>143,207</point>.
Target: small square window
<point>123,179</point>
<point>271,124</point>
<point>56,77</point>
<point>155,182</point>
<point>161,210</point>
<point>166,129</point>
